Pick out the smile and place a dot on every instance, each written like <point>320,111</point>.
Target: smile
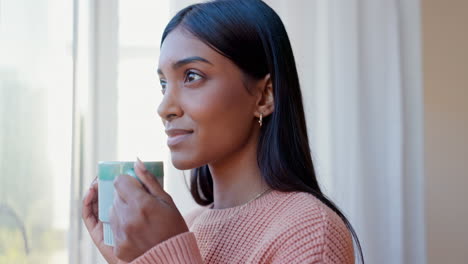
<point>177,139</point>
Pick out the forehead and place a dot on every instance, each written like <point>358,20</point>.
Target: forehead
<point>180,44</point>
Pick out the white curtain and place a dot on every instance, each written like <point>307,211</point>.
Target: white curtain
<point>360,68</point>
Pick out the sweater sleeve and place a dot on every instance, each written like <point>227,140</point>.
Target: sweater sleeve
<point>180,249</point>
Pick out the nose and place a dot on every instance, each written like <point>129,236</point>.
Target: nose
<point>169,108</point>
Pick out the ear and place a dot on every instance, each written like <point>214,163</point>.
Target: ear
<point>265,97</point>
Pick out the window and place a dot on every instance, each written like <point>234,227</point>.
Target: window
<point>35,136</point>
<point>140,131</point>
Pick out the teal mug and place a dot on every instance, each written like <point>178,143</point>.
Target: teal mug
<point>107,172</point>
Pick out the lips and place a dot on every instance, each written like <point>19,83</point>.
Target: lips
<point>176,136</point>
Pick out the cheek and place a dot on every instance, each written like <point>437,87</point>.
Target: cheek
<point>222,118</point>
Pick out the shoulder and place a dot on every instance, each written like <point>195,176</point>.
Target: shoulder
<point>300,211</point>
<point>295,207</point>
<point>303,222</point>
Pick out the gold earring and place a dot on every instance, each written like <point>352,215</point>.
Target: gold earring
<point>260,119</point>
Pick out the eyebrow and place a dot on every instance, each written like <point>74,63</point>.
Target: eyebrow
<point>185,61</point>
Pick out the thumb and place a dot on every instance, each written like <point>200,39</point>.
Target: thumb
<point>148,180</point>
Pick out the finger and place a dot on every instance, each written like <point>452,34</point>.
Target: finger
<point>116,218</point>
<point>95,202</point>
<point>118,208</point>
<point>127,187</point>
<point>94,180</point>
<point>90,186</point>
<point>90,197</point>
<point>87,212</point>
<point>148,179</point>
<point>114,224</point>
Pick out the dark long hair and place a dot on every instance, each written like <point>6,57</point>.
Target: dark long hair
<point>252,35</point>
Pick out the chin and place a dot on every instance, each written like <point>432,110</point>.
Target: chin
<point>184,163</point>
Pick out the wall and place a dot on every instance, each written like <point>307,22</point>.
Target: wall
<point>445,69</point>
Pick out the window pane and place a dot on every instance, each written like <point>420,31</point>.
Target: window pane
<point>35,134</point>
<point>140,130</point>
<point>141,22</point>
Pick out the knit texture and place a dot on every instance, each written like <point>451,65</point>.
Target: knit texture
<point>278,227</point>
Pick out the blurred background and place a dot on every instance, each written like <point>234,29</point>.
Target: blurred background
<point>385,88</point>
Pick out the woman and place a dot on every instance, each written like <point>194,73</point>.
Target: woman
<point>233,113</point>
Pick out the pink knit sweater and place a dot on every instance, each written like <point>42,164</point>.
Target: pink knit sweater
<point>276,228</point>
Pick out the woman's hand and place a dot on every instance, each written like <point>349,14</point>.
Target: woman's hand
<point>143,215</point>
<point>89,213</point>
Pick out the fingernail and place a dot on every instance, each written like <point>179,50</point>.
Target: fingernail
<point>140,165</point>
<point>85,195</point>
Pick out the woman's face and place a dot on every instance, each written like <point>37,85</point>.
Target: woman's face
<point>207,110</point>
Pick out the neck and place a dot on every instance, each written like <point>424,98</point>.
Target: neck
<point>237,180</point>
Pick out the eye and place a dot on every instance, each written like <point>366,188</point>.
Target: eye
<point>191,76</point>
<point>163,85</point>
